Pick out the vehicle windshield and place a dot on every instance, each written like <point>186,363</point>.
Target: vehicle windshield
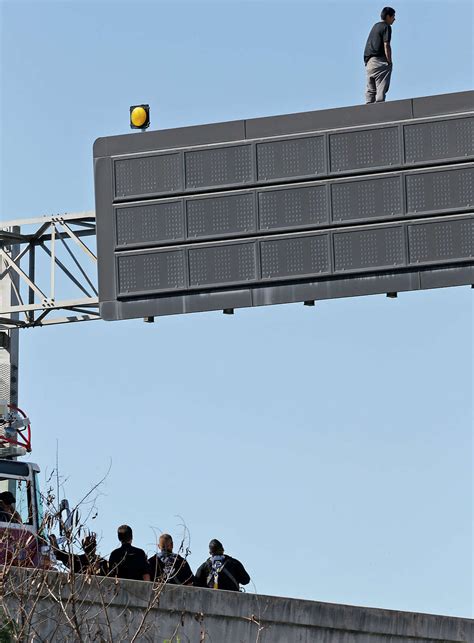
<point>15,501</point>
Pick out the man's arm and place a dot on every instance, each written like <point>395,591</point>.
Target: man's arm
<point>242,576</point>
<point>387,37</point>
<point>200,577</point>
<point>184,575</point>
<point>103,567</point>
<point>113,565</point>
<point>146,568</point>
<point>64,557</point>
<point>154,567</point>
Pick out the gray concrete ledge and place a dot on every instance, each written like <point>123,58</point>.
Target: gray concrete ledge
<point>201,615</point>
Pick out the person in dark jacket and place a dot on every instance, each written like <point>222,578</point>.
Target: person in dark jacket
<point>8,501</point>
<point>168,567</point>
<point>5,515</point>
<point>128,561</point>
<point>221,571</point>
<point>87,563</point>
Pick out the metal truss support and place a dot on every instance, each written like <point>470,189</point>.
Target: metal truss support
<point>49,271</point>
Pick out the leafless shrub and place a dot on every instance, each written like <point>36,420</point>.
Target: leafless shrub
<point>39,601</point>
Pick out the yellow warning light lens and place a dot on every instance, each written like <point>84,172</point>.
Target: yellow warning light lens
<point>138,117</point>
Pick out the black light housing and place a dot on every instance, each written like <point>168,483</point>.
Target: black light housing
<point>139,116</point>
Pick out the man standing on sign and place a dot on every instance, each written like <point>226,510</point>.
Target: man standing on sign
<point>378,57</point>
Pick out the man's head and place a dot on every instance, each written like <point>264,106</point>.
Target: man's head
<point>388,15</point>
<point>7,498</point>
<point>125,534</point>
<point>165,543</point>
<point>89,544</point>
<point>216,548</point>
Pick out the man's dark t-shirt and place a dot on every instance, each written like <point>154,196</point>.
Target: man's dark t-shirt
<point>232,575</point>
<point>381,32</point>
<point>172,569</point>
<point>128,562</point>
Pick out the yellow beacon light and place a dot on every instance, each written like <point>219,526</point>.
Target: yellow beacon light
<point>140,116</point>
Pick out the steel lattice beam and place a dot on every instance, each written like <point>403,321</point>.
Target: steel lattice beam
<point>50,269</point>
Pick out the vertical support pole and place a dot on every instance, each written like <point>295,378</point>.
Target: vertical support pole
<point>53,261</point>
<point>31,275</point>
<point>9,351</point>
<point>9,344</point>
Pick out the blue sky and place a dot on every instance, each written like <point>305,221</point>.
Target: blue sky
<point>329,448</point>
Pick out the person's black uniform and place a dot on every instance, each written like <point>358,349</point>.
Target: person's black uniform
<point>87,563</point>
<point>127,561</point>
<point>5,515</point>
<point>221,571</point>
<point>168,567</point>
<point>7,506</point>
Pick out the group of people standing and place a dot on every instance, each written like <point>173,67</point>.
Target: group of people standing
<point>219,571</point>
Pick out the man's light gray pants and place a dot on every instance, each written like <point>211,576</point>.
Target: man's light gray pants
<point>378,80</point>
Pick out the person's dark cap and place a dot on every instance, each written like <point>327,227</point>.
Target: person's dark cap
<point>8,498</point>
<point>215,546</point>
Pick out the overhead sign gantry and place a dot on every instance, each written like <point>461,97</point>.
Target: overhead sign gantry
<point>341,202</point>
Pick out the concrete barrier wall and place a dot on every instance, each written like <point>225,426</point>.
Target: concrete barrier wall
<point>187,614</point>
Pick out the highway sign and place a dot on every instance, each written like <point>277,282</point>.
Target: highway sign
<point>343,202</point>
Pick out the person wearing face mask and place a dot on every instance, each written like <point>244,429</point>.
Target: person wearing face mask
<point>168,567</point>
<point>220,571</point>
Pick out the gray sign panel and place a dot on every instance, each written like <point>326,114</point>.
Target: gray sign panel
<point>136,177</point>
<point>298,157</point>
<point>304,206</point>
<point>442,241</point>
<point>157,222</point>
<point>151,271</point>
<point>302,256</point>
<point>440,190</point>
<point>364,149</point>
<point>232,165</point>
<point>293,208</point>
<point>367,249</point>
<point>225,215</point>
<point>366,199</point>
<point>439,139</point>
